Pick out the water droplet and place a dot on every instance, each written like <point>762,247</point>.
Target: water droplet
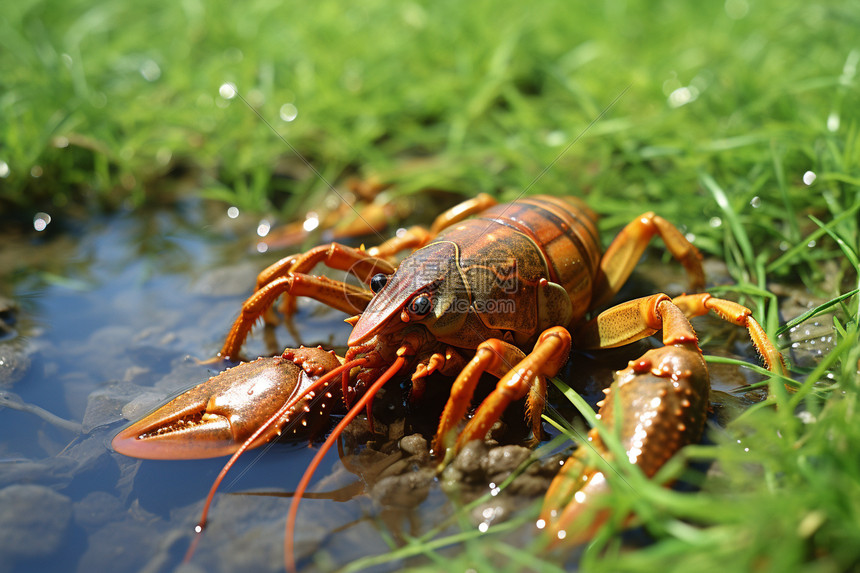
<point>150,70</point>
<point>691,237</point>
<point>36,171</point>
<point>288,112</point>
<point>4,169</point>
<point>556,138</point>
<point>67,59</point>
<point>811,243</point>
<point>263,228</point>
<point>483,527</point>
<point>262,247</point>
<point>755,202</point>
<point>41,221</point>
<point>715,222</point>
<point>809,177</point>
<point>833,121</point>
<point>233,212</point>
<point>311,222</point>
<point>227,90</point>
<point>683,96</point>
<point>61,141</point>
<point>540,524</point>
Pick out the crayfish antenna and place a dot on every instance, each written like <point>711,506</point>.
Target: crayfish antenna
<point>320,383</point>
<point>289,534</point>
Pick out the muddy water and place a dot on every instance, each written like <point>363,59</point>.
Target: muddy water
<point>100,323</point>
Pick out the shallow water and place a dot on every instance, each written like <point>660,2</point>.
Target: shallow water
<point>102,315</point>
<point>118,312</point>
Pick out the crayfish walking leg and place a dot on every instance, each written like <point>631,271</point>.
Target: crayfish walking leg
<point>658,403</point>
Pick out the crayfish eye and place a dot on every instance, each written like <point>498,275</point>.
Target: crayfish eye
<point>420,305</point>
<point>378,282</point>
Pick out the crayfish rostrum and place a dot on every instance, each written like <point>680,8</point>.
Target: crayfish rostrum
<point>504,290</point>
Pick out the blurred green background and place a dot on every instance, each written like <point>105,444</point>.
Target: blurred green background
<point>106,104</point>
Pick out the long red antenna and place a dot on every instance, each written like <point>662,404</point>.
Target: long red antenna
<point>320,383</point>
<point>289,558</point>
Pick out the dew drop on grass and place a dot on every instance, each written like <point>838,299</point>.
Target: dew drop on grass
<point>263,228</point>
<point>312,221</point>
<point>555,138</point>
<point>233,212</point>
<point>715,222</point>
<point>288,112</point>
<point>833,121</point>
<point>150,70</point>
<point>809,177</point>
<point>755,202</point>
<point>41,221</point>
<point>683,96</point>
<point>227,90</point>
<point>4,169</point>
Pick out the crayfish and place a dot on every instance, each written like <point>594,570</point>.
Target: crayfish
<point>497,289</point>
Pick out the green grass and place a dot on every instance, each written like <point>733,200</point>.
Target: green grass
<point>110,104</point>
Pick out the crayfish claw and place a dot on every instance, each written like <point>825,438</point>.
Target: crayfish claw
<point>216,417</point>
<point>658,405</point>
